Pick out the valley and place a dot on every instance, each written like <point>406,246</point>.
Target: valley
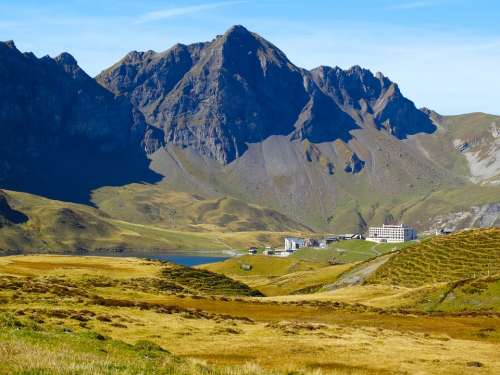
<point>127,315</point>
<point>212,154</point>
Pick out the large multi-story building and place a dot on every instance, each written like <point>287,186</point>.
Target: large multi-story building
<point>391,233</point>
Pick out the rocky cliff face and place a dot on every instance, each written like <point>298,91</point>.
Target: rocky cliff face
<point>333,149</point>
<point>238,89</point>
<point>373,99</point>
<point>58,126</point>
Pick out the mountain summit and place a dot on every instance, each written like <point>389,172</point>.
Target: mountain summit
<point>234,120</point>
<point>220,96</point>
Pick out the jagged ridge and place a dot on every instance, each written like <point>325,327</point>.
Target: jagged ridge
<point>219,96</point>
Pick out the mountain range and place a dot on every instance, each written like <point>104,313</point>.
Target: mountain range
<point>233,120</point>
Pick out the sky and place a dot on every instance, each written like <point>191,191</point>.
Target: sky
<point>444,54</point>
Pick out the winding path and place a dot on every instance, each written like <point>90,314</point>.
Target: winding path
<point>358,274</point>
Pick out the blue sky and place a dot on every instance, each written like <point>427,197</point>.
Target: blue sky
<point>445,54</point>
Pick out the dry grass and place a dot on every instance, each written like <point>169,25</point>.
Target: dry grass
<point>57,265</point>
<point>464,255</point>
<point>60,309</point>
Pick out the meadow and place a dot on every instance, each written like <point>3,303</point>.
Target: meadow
<point>88,315</point>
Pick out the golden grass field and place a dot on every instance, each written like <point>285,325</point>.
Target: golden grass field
<point>65,315</point>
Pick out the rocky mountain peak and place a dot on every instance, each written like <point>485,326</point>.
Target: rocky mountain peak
<point>58,124</point>
<point>66,59</point>
<point>70,66</point>
<point>238,31</point>
<point>9,44</point>
<point>218,97</point>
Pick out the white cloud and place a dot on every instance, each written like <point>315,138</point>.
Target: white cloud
<point>182,11</point>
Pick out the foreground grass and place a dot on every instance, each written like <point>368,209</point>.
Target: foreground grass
<point>91,315</point>
<point>29,348</point>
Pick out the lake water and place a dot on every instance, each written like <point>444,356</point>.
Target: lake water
<point>187,260</point>
<point>184,259</point>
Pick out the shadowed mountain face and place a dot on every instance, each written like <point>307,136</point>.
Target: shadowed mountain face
<point>9,216</point>
<point>62,134</point>
<point>218,97</point>
<point>331,149</point>
<point>373,98</point>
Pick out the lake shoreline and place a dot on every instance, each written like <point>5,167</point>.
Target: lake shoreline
<point>184,258</point>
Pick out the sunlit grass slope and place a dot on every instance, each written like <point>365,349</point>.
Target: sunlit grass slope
<point>166,276</point>
<point>154,205</point>
<point>482,294</point>
<point>463,255</point>
<point>279,276</point>
<point>55,227</point>
<point>347,251</point>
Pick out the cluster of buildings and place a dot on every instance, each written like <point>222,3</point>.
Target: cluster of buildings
<point>384,234</point>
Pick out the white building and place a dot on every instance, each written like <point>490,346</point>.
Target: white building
<point>268,251</point>
<point>293,243</point>
<point>391,233</point>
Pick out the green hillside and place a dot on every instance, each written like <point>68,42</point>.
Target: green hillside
<point>154,205</point>
<point>35,224</point>
<point>482,294</point>
<point>347,251</point>
<point>464,255</point>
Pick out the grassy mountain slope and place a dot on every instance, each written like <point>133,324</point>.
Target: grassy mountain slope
<point>152,205</point>
<point>278,175</point>
<point>55,226</point>
<point>398,183</point>
<point>480,294</point>
<point>466,144</point>
<point>464,255</point>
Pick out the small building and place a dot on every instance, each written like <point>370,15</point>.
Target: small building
<point>293,243</point>
<point>444,231</point>
<point>331,239</point>
<point>268,251</point>
<point>391,233</point>
<point>350,236</point>
<point>281,253</point>
<point>252,251</point>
